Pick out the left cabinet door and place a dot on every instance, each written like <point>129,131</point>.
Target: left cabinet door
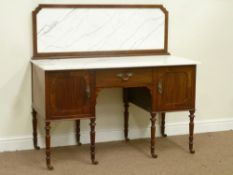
<point>69,94</point>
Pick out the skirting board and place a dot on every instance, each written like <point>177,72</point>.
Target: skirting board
<point>179,128</point>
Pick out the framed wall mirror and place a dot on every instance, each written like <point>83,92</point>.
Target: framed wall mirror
<point>99,30</point>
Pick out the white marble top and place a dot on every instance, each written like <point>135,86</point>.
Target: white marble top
<point>80,29</point>
<point>112,62</point>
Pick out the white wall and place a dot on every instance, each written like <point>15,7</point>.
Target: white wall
<point>200,30</point>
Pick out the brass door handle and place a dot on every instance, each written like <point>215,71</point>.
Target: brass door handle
<point>160,88</point>
<point>88,91</point>
<point>125,76</point>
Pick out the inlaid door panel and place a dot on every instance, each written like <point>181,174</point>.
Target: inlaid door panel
<point>69,93</point>
<point>175,88</point>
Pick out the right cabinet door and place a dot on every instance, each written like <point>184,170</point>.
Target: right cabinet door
<point>175,88</point>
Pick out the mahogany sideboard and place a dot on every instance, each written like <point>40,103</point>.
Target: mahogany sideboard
<point>66,89</point>
<point>80,49</point>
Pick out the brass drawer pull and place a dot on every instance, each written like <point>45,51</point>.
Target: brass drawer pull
<point>125,76</point>
<point>160,88</point>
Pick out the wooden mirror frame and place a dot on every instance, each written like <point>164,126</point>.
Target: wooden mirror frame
<point>84,54</point>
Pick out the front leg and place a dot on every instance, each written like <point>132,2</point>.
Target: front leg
<point>163,124</point>
<point>47,143</point>
<point>78,133</point>
<point>126,113</point>
<point>191,129</point>
<point>92,125</point>
<point>34,127</point>
<point>153,131</point>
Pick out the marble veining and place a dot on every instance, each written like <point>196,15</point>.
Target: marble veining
<point>112,62</point>
<point>76,30</point>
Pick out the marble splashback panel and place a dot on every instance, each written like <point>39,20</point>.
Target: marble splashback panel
<point>83,29</point>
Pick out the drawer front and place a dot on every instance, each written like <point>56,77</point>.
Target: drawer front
<point>123,77</point>
<point>69,94</point>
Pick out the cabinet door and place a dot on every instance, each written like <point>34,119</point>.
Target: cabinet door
<point>175,88</point>
<point>69,94</point>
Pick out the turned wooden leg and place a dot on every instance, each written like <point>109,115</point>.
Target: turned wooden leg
<point>126,121</point>
<point>47,143</point>
<point>191,128</point>
<point>34,127</point>
<point>126,113</point>
<point>163,124</point>
<point>92,125</point>
<point>78,132</point>
<point>153,130</point>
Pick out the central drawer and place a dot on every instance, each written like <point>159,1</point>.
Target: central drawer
<point>123,77</point>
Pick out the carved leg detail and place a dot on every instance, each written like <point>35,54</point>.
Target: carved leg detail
<point>126,114</point>
<point>34,126</point>
<point>48,149</point>
<point>78,133</point>
<point>92,125</point>
<point>163,124</point>
<point>191,128</point>
<point>153,130</point>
